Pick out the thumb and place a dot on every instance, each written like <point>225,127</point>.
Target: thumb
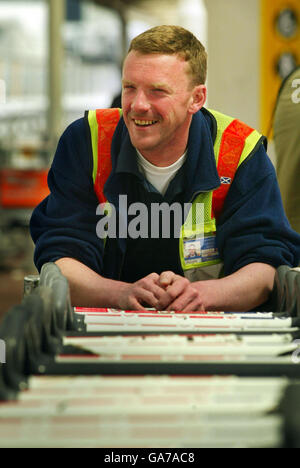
<point>166,278</point>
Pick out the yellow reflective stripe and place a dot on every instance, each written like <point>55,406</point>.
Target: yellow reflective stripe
<point>191,266</point>
<point>94,139</point>
<point>205,228</point>
<point>191,223</point>
<point>250,143</point>
<point>222,123</point>
<point>191,229</point>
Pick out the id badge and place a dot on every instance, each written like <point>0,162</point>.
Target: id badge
<point>200,251</point>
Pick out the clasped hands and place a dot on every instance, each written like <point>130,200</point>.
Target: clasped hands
<point>167,291</point>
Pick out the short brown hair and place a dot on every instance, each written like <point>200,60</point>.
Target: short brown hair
<point>171,40</point>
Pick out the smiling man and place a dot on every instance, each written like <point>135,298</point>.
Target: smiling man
<point>158,103</point>
<point>165,153</point>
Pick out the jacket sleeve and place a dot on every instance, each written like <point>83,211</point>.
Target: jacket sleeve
<point>64,224</point>
<point>253,226</point>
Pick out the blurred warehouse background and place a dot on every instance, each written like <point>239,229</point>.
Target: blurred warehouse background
<point>61,57</point>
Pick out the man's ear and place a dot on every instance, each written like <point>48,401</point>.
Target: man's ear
<point>198,98</point>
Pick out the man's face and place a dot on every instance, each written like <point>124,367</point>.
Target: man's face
<point>192,250</point>
<point>158,102</point>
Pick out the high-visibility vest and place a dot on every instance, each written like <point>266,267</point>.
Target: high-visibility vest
<point>233,144</point>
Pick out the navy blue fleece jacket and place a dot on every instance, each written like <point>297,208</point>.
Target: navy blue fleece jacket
<point>251,228</point>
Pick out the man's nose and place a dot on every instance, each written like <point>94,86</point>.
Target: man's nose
<point>140,102</point>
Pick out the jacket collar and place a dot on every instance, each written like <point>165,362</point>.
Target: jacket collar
<point>198,174</point>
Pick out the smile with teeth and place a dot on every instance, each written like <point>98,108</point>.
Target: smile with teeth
<point>145,123</point>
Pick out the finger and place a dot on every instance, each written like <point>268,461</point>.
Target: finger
<point>167,278</point>
<point>164,300</point>
<point>184,300</point>
<point>153,277</point>
<point>178,286</point>
<point>151,284</point>
<point>135,305</point>
<point>144,296</point>
<point>159,294</point>
<point>173,291</point>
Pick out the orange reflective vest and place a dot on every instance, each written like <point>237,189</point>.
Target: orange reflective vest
<point>234,142</point>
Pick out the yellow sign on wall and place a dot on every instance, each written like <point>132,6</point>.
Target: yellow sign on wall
<point>280,51</point>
